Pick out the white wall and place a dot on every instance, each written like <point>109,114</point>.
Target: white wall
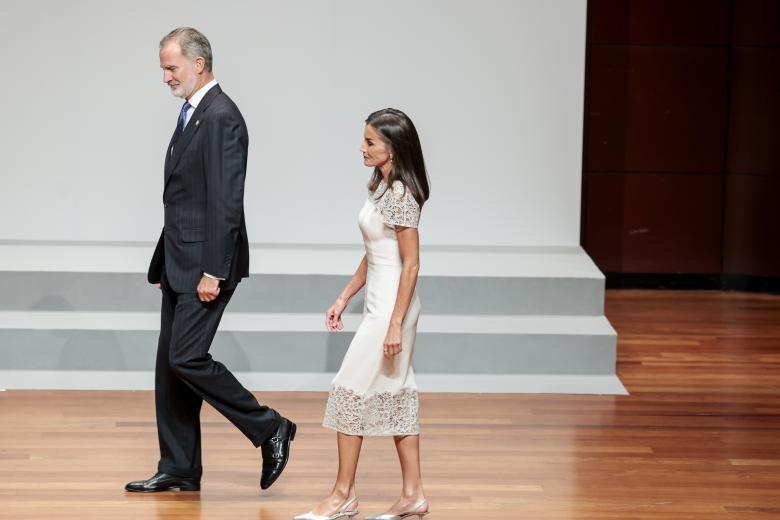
<point>494,87</point>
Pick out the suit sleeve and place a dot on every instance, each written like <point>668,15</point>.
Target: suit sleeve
<point>225,163</point>
<point>158,259</point>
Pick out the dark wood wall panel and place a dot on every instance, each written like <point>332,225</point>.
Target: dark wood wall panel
<point>656,109</point>
<point>756,22</point>
<point>682,137</point>
<point>751,234</point>
<point>659,22</point>
<point>754,128</point>
<point>654,223</point>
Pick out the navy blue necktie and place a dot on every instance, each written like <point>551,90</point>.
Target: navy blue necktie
<point>180,125</point>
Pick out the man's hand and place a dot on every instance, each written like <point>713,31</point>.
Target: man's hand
<point>208,289</point>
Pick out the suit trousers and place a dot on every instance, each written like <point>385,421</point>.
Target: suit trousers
<point>186,375</point>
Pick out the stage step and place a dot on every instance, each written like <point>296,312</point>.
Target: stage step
<point>500,319</point>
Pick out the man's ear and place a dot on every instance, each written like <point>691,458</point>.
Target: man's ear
<point>200,64</point>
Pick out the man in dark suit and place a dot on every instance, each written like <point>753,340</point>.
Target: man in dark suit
<point>202,255</point>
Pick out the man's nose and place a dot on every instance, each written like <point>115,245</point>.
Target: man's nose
<point>167,76</point>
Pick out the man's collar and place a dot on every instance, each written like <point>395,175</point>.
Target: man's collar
<point>196,98</point>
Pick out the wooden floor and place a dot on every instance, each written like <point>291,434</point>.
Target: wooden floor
<point>698,438</point>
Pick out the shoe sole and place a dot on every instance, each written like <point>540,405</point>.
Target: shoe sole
<point>177,488</point>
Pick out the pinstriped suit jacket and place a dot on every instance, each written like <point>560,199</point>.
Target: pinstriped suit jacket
<point>203,196</point>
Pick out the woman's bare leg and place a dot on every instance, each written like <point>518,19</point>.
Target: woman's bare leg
<point>408,447</point>
<point>344,488</point>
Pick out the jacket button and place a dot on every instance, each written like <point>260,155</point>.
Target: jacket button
<point>165,204</point>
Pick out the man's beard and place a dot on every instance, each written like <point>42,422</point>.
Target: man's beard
<point>184,89</point>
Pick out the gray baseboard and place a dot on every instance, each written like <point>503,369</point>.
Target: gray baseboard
<point>292,351</point>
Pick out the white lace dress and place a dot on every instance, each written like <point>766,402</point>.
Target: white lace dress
<point>372,395</point>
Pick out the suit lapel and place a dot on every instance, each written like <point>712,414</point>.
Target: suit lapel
<point>172,159</point>
<point>168,159</point>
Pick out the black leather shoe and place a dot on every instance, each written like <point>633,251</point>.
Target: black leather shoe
<point>276,451</point>
<point>163,482</point>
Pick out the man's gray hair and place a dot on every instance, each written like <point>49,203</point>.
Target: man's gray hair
<point>193,43</point>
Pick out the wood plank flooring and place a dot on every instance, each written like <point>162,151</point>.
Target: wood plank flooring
<point>698,438</point>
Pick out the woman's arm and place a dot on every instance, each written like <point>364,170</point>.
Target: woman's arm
<point>409,247</point>
<point>358,280</point>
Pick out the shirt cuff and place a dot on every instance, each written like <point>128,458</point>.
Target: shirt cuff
<point>207,275</point>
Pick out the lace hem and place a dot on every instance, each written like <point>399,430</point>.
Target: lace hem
<point>397,206</point>
<point>381,413</point>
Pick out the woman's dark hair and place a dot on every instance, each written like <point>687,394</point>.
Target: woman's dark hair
<point>397,130</point>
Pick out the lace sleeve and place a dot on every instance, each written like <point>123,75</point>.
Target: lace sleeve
<point>398,207</point>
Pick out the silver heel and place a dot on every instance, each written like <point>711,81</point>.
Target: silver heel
<point>345,511</point>
<point>414,512</point>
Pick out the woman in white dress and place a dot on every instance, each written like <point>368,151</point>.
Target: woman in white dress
<point>374,393</point>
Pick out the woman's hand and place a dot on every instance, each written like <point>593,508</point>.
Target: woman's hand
<point>392,343</point>
<point>333,315</point>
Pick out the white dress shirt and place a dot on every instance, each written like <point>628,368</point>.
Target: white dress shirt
<point>196,98</point>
